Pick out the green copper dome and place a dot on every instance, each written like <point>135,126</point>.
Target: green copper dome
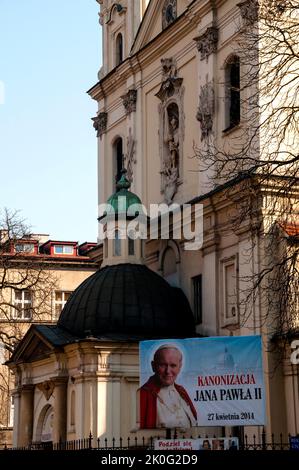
<point>122,199</point>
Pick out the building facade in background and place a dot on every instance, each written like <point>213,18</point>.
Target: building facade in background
<point>38,276</point>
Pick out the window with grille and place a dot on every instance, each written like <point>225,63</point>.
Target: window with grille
<point>24,248</point>
<point>63,249</point>
<point>229,290</point>
<point>2,353</point>
<point>119,49</point>
<point>60,300</point>
<point>22,305</point>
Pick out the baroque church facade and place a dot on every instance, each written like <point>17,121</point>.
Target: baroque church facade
<point>169,83</point>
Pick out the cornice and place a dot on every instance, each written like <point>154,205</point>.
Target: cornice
<point>51,264</point>
<point>189,19</point>
<point>153,256</point>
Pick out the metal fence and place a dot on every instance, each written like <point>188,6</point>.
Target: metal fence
<point>147,443</point>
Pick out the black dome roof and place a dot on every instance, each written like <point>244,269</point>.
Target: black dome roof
<point>130,300</point>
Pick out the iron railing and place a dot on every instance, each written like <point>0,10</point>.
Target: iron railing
<point>140,443</point>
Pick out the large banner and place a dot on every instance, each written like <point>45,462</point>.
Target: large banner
<point>215,381</point>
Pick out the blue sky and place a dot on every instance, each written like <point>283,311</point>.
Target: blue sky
<point>50,53</point>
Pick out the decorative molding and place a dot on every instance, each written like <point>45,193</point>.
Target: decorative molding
<point>169,12</point>
<point>129,101</point>
<point>101,18</point>
<point>206,109</point>
<point>169,68</point>
<point>104,361</point>
<point>129,158</point>
<point>100,123</point>
<point>101,73</point>
<point>47,388</point>
<point>170,82</point>
<point>249,11</point>
<point>207,42</point>
<point>115,7</point>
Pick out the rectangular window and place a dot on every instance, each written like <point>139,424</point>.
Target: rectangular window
<point>22,305</point>
<point>63,249</point>
<point>232,93</point>
<point>2,353</point>
<point>60,300</point>
<point>24,248</point>
<point>197,298</point>
<point>131,246</point>
<point>11,412</point>
<point>229,280</point>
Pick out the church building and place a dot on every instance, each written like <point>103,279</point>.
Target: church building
<point>170,84</point>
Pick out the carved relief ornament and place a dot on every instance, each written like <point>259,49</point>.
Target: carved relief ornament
<point>206,109</point>
<point>129,101</point>
<point>207,42</point>
<point>100,123</point>
<point>47,388</point>
<point>130,159</point>
<point>170,82</point>
<point>249,10</point>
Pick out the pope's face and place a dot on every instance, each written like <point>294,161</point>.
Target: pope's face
<point>167,365</point>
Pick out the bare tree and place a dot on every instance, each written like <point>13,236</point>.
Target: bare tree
<point>260,152</point>
<point>26,285</point>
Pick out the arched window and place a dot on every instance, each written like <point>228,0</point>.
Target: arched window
<point>232,80</point>
<point>119,49</point>
<point>117,244</point>
<point>73,407</point>
<point>118,159</point>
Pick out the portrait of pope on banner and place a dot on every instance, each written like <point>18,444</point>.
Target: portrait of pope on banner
<point>163,403</point>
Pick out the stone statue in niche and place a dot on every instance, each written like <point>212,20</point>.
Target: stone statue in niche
<point>172,137</point>
<point>171,161</point>
<point>169,12</point>
<point>171,128</point>
<point>170,175</point>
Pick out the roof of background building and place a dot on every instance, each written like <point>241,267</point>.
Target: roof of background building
<point>291,228</point>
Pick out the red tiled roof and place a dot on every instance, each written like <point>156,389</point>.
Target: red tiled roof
<point>291,228</point>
